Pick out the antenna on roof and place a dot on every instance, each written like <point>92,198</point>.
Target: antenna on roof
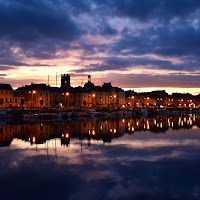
<point>48,80</point>
<point>56,78</point>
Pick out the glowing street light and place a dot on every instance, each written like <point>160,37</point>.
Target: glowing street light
<point>67,135</point>
<point>66,100</point>
<point>32,100</point>
<point>93,95</point>
<point>132,97</point>
<point>33,139</point>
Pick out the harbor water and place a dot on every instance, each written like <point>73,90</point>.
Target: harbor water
<point>106,158</point>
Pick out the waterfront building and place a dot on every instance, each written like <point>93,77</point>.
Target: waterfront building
<point>97,96</point>
<point>90,96</point>
<point>184,100</point>
<point>34,95</point>
<point>6,95</point>
<point>146,99</point>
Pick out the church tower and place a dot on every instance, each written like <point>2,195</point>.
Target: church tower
<point>65,81</point>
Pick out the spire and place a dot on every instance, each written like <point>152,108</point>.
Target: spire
<point>89,78</point>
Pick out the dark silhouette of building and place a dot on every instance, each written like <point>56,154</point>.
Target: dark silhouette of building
<point>65,81</point>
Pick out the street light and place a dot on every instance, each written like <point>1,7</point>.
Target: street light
<point>33,92</point>
<point>93,95</point>
<point>132,100</point>
<point>66,95</point>
<point>148,101</point>
<point>114,96</point>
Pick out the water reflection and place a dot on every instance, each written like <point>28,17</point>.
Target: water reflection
<point>101,129</point>
<point>101,159</point>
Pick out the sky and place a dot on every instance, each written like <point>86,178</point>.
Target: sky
<point>135,44</point>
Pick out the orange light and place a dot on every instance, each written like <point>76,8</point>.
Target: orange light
<point>115,131</point>
<point>67,93</point>
<point>67,135</point>
<point>133,97</point>
<point>34,91</point>
<point>148,98</point>
<point>115,96</point>
<point>93,95</point>
<point>33,140</point>
<point>93,132</point>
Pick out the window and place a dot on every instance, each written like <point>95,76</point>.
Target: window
<point>15,100</point>
<point>6,100</point>
<point>1,92</point>
<point>10,99</point>
<point>1,101</point>
<point>41,94</point>
<point>6,92</point>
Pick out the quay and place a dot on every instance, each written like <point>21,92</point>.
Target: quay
<point>94,113</point>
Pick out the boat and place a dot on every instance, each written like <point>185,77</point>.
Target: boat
<point>46,116</point>
<point>162,111</point>
<point>75,115</point>
<point>56,115</point>
<point>30,115</point>
<point>3,113</point>
<point>96,113</point>
<point>144,112</point>
<point>86,114</point>
<point>175,113</point>
<point>66,115</point>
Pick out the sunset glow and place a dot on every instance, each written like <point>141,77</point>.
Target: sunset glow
<point>133,44</point>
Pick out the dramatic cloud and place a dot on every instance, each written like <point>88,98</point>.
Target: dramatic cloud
<point>103,36</point>
<point>117,63</point>
<point>28,21</point>
<point>147,10</point>
<point>155,80</point>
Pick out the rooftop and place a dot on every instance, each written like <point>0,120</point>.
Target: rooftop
<point>5,86</point>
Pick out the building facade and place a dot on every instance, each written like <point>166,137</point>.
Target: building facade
<point>6,96</point>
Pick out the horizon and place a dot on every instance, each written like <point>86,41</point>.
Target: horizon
<point>138,90</point>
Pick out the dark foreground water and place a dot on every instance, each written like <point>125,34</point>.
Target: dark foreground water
<point>156,158</point>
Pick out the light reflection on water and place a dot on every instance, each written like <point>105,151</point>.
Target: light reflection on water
<point>155,158</point>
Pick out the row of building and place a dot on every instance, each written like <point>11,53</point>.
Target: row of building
<point>42,95</point>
